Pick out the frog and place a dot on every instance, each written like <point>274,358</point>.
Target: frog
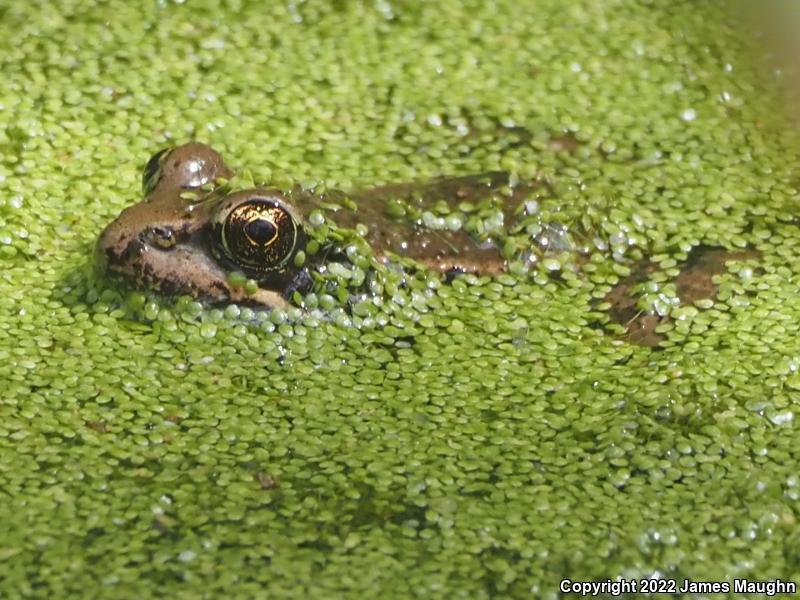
<point>695,285</point>
<point>191,231</point>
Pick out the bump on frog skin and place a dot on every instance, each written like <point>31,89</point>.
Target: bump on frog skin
<point>185,167</point>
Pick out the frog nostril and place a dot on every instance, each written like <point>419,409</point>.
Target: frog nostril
<point>160,237</point>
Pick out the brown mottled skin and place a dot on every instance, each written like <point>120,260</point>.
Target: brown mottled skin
<point>439,250</point>
<point>694,282</point>
<point>130,249</point>
<point>163,243</point>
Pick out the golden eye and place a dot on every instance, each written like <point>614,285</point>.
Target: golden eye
<point>257,232</point>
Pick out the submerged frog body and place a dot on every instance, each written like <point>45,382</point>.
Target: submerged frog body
<point>190,232</point>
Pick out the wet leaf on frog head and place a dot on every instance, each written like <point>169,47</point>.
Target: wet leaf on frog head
<point>219,184</point>
<point>299,258</point>
<point>347,202</point>
<point>250,287</point>
<point>316,218</point>
<point>237,279</point>
<point>190,196</point>
<point>396,209</point>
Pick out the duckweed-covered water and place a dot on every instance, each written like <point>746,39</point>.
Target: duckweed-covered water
<point>481,439</point>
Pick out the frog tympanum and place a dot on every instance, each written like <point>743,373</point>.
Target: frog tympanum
<point>191,230</point>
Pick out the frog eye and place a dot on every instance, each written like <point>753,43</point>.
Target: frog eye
<point>152,171</point>
<point>185,167</point>
<point>259,234</point>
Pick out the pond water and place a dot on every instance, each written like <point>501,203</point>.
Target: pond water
<point>628,414</point>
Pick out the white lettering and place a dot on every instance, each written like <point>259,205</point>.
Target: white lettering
<point>768,588</point>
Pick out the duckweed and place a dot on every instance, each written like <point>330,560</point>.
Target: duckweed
<point>482,438</point>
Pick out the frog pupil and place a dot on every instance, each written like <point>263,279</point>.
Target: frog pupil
<point>261,231</point>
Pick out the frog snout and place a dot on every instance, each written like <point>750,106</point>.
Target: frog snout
<point>100,258</point>
<point>117,250</point>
